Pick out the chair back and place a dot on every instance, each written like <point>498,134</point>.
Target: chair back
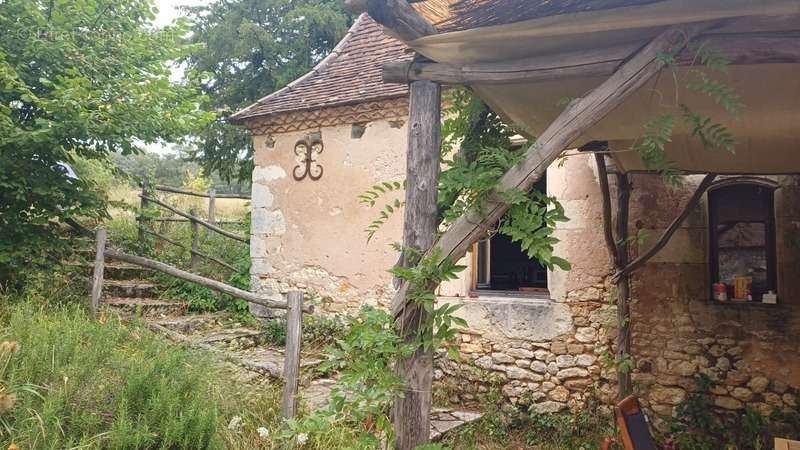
<point>633,425</point>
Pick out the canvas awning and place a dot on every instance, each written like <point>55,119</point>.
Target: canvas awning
<point>767,130</point>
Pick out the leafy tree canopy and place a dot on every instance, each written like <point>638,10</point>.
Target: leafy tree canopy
<point>79,78</point>
<point>250,49</point>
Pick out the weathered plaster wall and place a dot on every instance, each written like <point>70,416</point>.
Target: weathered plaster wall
<point>309,234</point>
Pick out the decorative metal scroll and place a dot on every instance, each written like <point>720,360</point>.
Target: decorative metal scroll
<point>308,149</point>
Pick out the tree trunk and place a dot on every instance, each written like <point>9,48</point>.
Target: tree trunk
<point>411,413</point>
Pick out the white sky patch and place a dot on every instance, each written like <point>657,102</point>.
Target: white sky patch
<point>168,11</point>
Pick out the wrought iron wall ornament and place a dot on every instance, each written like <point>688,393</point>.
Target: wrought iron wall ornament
<point>308,149</point>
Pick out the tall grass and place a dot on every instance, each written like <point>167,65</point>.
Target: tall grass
<point>97,383</point>
<point>103,385</point>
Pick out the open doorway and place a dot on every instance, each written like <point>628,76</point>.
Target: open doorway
<point>503,268</point>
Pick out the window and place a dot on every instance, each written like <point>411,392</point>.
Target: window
<point>501,266</point>
<point>742,239</point>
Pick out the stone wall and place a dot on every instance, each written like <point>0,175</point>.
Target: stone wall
<point>543,353</point>
<point>750,350</point>
<point>540,352</point>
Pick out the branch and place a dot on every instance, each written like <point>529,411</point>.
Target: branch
<point>602,174</point>
<point>673,227</point>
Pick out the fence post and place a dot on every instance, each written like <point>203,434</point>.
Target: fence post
<point>291,364</point>
<point>212,206</point>
<point>142,207</point>
<point>195,241</point>
<point>99,267</point>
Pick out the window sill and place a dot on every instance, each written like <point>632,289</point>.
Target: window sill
<point>729,303</point>
<point>488,294</point>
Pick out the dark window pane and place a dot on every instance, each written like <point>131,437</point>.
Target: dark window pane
<point>742,238</point>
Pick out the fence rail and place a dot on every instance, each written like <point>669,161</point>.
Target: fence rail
<point>293,304</point>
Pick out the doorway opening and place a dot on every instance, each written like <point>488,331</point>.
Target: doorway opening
<point>503,268</point>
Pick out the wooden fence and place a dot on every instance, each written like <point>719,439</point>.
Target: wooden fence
<point>148,197</point>
<point>293,304</point>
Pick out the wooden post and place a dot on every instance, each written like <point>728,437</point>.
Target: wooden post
<point>143,203</point>
<point>99,267</point>
<point>195,242</point>
<point>291,363</point>
<point>212,206</point>
<point>623,289</point>
<point>411,413</point>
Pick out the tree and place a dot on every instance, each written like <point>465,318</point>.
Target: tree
<point>250,49</point>
<point>79,79</point>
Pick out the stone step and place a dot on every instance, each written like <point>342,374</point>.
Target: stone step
<point>191,324</point>
<point>448,419</point>
<point>129,288</point>
<point>115,271</point>
<point>146,307</point>
<point>231,338</point>
<point>268,361</point>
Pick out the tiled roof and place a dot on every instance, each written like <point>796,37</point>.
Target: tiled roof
<point>350,74</point>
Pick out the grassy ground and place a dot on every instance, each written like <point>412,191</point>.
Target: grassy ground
<point>77,382</point>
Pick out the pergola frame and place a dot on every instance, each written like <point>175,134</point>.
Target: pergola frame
<point>627,68</point>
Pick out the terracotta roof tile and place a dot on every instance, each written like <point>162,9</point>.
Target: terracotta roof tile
<point>350,74</point>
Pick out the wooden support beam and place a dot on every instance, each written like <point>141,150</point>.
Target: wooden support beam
<point>624,380</point>
<point>579,116</point>
<point>411,413</point>
<point>193,218</point>
<point>595,62</point>
<point>738,49</point>
<point>197,279</point>
<point>605,192</point>
<point>291,361</point>
<point>397,16</point>
<point>662,241</point>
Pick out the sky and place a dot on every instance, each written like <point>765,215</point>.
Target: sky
<point>167,12</point>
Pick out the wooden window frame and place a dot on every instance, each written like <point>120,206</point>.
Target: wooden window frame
<point>770,230</point>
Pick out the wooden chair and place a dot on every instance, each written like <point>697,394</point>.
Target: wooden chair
<point>633,426</point>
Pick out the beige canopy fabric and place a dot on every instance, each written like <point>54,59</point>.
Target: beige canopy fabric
<point>767,130</point>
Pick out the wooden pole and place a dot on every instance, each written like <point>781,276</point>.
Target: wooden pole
<point>412,412</point>
<point>99,267</point>
<point>291,363</point>
<point>576,119</point>
<point>143,203</point>
<point>694,200</point>
<point>202,281</point>
<point>195,261</point>
<point>212,206</point>
<point>623,289</point>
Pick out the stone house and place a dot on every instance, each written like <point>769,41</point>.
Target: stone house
<point>540,335</point>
